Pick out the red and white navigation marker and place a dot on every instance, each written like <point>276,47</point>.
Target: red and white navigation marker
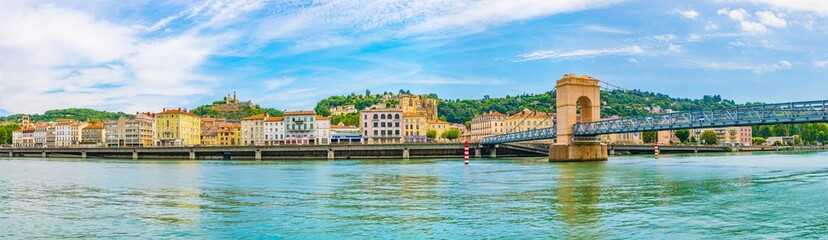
<point>466,152</point>
<point>656,151</point>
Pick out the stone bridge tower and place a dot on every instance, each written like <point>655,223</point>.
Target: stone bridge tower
<point>577,94</point>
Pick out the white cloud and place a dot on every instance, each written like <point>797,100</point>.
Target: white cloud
<point>54,57</point>
<point>770,19</point>
<point>816,6</point>
<point>756,69</point>
<point>689,14</point>
<point>632,60</point>
<point>278,83</point>
<point>711,26</point>
<point>604,29</point>
<point>751,27</point>
<point>672,48</point>
<point>583,53</point>
<point>324,24</point>
<point>821,64</point>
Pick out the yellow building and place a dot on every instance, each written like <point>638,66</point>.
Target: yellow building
<point>623,138</point>
<point>422,105</point>
<point>439,127</point>
<point>527,120</point>
<point>177,127</point>
<point>415,124</point>
<point>229,134</point>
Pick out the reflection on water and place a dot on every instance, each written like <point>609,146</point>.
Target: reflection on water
<point>682,196</point>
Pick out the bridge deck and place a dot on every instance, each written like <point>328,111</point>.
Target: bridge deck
<point>782,113</point>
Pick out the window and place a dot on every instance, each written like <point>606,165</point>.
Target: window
<point>382,132</point>
<point>375,116</point>
<point>365,124</point>
<point>397,116</point>
<point>365,117</point>
<point>382,116</point>
<point>396,124</point>
<point>376,132</point>
<point>376,124</point>
<point>382,124</point>
<point>397,132</point>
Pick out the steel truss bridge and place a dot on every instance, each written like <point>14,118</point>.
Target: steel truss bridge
<point>781,113</point>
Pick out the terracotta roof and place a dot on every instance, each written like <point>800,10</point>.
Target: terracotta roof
<point>413,115</point>
<point>64,123</point>
<point>275,119</point>
<point>295,113</point>
<point>95,126</point>
<point>177,111</point>
<point>494,114</point>
<point>527,113</point>
<point>318,117</point>
<point>256,117</point>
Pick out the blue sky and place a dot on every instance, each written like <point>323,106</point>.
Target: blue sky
<point>146,55</point>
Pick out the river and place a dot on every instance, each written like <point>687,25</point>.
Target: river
<point>720,196</point>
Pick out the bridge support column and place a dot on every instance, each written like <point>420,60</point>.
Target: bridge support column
<point>331,154</point>
<point>134,154</point>
<point>258,154</point>
<point>477,152</point>
<point>11,153</point>
<point>494,152</point>
<point>192,154</point>
<point>83,154</point>
<point>43,154</point>
<point>578,152</point>
<point>612,151</point>
<point>406,154</point>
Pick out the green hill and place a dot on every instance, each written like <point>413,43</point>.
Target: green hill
<point>221,109</point>
<point>623,103</point>
<point>82,114</point>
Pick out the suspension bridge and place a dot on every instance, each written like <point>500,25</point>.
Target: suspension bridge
<point>578,141</point>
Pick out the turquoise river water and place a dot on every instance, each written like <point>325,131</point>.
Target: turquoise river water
<point>749,196</point>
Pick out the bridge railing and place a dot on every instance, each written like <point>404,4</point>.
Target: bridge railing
<point>797,112</point>
<point>528,135</point>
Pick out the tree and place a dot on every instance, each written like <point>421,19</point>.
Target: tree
<point>682,134</point>
<point>759,140</point>
<point>451,134</point>
<point>6,133</point>
<point>367,92</point>
<point>350,119</point>
<point>322,110</point>
<point>649,137</point>
<point>431,133</point>
<point>709,137</point>
<point>693,139</point>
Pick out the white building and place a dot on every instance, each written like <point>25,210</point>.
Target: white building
<point>323,130</point>
<point>274,130</point>
<point>252,130</point>
<point>63,134</point>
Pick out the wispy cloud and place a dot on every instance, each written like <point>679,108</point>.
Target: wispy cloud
<point>756,69</point>
<point>689,14</point>
<point>821,64</point>
<point>274,84</point>
<point>749,26</point>
<point>605,29</point>
<point>576,54</point>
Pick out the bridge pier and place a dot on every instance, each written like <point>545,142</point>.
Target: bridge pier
<point>43,154</point>
<point>11,153</point>
<point>583,151</point>
<point>83,154</point>
<point>477,152</point>
<point>134,154</point>
<point>494,152</point>
<point>258,155</point>
<point>406,153</point>
<point>612,151</point>
<point>331,154</point>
